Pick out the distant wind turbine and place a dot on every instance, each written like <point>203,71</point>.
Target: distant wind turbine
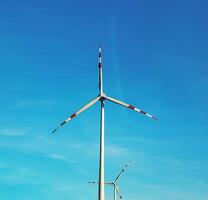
<point>102,97</point>
<point>115,183</point>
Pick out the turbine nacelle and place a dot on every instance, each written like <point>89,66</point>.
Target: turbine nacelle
<point>102,96</point>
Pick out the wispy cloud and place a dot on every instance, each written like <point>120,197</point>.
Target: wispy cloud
<point>114,150</point>
<point>138,140</point>
<point>177,163</point>
<point>188,181</point>
<point>61,158</point>
<point>181,195</point>
<point>3,166</point>
<point>11,132</point>
<point>42,103</point>
<point>20,175</point>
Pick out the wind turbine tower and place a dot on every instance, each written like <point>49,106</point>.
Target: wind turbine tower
<point>102,97</point>
<point>115,183</point>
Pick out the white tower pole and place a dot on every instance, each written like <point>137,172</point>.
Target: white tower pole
<point>114,187</point>
<point>101,190</point>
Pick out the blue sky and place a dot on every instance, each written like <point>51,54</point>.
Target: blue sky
<point>154,57</point>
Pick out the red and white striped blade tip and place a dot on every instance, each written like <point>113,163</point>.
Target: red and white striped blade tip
<point>142,112</point>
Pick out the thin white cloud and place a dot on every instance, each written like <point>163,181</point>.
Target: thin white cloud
<point>20,175</point>
<point>3,166</point>
<point>177,163</point>
<point>42,103</point>
<point>11,132</point>
<point>113,150</point>
<point>138,140</point>
<point>61,158</point>
<point>187,181</point>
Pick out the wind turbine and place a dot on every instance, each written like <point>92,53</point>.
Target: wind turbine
<point>102,97</point>
<point>115,183</point>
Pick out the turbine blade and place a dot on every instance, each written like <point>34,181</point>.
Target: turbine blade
<point>130,107</point>
<point>93,182</point>
<point>77,113</point>
<point>122,171</point>
<point>119,193</point>
<point>100,75</point>
<point>107,183</point>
